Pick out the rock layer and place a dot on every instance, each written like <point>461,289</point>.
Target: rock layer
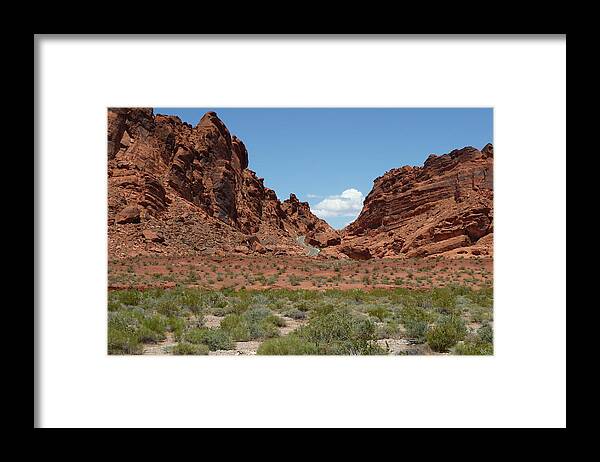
<point>192,187</point>
<point>444,207</point>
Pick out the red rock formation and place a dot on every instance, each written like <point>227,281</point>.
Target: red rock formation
<point>192,187</point>
<point>444,207</point>
<point>302,221</point>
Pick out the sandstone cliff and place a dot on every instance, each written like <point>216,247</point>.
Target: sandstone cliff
<point>444,208</point>
<point>178,189</point>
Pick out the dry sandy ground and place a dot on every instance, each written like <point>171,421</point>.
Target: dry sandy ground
<point>297,272</point>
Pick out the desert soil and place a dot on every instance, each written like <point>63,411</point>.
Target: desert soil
<point>289,272</point>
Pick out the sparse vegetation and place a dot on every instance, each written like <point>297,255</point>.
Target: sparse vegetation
<point>455,319</point>
<point>184,348</point>
<point>446,333</point>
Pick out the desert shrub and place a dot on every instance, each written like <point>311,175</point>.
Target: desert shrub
<point>486,333</point>
<point>230,321</point>
<point>445,333</point>
<point>237,327</point>
<point>288,345</point>
<point>241,305</point>
<point>256,314</point>
<point>473,347</point>
<point>215,339</point>
<point>483,297</point>
<point>129,297</point>
<point>263,329</point>
<point>295,313</point>
<point>192,300</point>
<point>114,305</point>
<point>444,297</point>
<point>123,334</point>
<point>322,310</point>
<point>379,312</point>
<point>176,325</point>
<point>146,335</point>
<point>302,306</point>
<point>156,323</point>
<point>388,330</point>
<point>416,329</point>
<point>167,307</point>
<point>277,321</point>
<point>414,313</point>
<point>339,332</point>
<point>254,323</point>
<point>480,313</point>
<point>216,300</point>
<point>294,280</point>
<point>185,348</point>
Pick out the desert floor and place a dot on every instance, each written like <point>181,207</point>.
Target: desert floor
<point>297,272</point>
<point>300,306</point>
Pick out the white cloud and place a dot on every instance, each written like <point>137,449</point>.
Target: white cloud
<point>313,196</point>
<point>347,204</point>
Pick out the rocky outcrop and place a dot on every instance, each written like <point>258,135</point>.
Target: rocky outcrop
<point>192,185</point>
<point>440,208</point>
<point>302,221</point>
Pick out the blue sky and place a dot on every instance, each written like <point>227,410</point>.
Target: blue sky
<point>330,157</point>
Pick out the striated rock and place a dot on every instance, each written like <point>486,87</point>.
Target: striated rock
<point>193,184</point>
<point>444,205</point>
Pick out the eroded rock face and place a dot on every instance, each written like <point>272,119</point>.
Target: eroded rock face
<point>299,217</point>
<point>445,205</point>
<point>193,185</point>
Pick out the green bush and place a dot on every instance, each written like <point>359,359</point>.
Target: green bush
<point>167,307</point>
<point>288,345</point>
<point>446,333</point>
<point>123,335</point>
<point>302,306</point>
<point>295,313</point>
<point>473,347</point>
<point>263,329</point>
<point>486,333</point>
<point>146,335</point>
<point>261,323</point>
<point>184,348</point>
<point>339,332</point>
<point>294,280</point>
<point>379,312</point>
<point>388,330</point>
<point>176,325</point>
<point>414,313</point>
<point>129,297</point>
<point>156,323</point>
<point>237,327</point>
<point>216,339</point>
<point>416,329</point>
<point>114,305</point>
<point>322,310</point>
<point>253,324</point>
<point>192,300</point>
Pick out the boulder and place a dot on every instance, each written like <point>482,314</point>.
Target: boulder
<point>130,214</point>
<point>152,236</point>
